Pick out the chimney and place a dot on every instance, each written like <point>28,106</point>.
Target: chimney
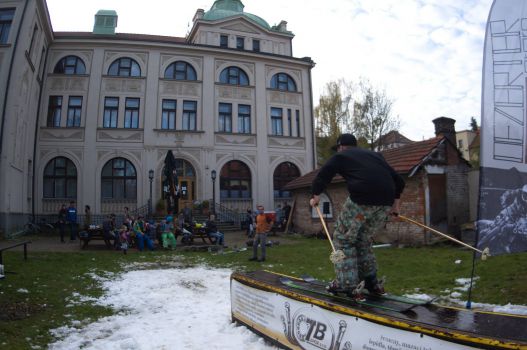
<point>105,22</point>
<point>445,127</point>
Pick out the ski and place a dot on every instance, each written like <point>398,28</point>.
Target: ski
<point>401,299</point>
<point>379,304</point>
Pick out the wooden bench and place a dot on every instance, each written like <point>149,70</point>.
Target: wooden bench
<point>25,243</point>
<point>91,234</point>
<point>200,232</point>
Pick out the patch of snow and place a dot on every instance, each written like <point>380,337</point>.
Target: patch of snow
<point>165,309</point>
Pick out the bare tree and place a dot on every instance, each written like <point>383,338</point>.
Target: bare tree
<point>372,117</point>
<point>332,116</point>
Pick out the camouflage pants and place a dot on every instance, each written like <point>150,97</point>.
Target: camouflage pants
<point>353,233</point>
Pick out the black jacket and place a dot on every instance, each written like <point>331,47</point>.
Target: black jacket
<point>370,180</point>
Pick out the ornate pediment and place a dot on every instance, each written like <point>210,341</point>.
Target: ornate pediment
<point>240,27</point>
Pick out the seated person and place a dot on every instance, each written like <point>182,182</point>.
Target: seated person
<point>167,237</point>
<point>123,238</point>
<point>187,232</point>
<point>141,236</point>
<point>212,231</point>
<point>150,230</point>
<point>109,231</point>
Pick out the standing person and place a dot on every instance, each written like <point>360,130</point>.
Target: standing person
<point>287,211</point>
<point>62,221</point>
<point>87,217</point>
<point>250,223</point>
<point>71,219</point>
<point>263,226</point>
<point>187,214</point>
<point>126,213</point>
<point>374,187</point>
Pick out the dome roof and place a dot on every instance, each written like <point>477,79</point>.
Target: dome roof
<point>228,8</point>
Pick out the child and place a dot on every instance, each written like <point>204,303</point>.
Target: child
<point>167,236</point>
<point>124,236</point>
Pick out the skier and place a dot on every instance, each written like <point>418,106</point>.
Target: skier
<point>508,230</point>
<point>373,188</point>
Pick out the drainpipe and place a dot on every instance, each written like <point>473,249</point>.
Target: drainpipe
<point>9,76</point>
<point>313,134</point>
<point>37,123</point>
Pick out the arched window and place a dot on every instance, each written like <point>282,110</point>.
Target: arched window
<point>125,67</point>
<point>283,174</point>
<point>60,179</point>
<point>234,76</point>
<point>70,65</point>
<point>119,180</point>
<point>235,180</point>
<point>180,70</point>
<point>283,82</point>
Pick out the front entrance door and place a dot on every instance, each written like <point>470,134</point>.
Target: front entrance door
<point>186,179</point>
<point>188,192</point>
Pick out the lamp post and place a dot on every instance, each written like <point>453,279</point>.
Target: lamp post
<point>151,178</point>
<point>213,177</point>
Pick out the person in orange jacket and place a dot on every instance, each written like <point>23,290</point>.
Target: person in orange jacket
<point>263,226</point>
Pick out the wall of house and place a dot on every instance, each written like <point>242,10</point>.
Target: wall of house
<point>307,222</point>
<point>413,205</point>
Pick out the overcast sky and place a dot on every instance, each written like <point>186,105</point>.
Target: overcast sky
<point>427,54</point>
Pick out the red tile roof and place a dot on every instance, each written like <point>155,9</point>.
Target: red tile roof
<point>403,159</point>
<point>393,137</point>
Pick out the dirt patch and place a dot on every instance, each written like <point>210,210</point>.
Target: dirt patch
<point>18,311</point>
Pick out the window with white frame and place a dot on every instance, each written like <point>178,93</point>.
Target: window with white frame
<point>225,117</point>
<point>74,111</point>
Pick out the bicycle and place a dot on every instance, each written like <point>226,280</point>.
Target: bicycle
<point>42,227</point>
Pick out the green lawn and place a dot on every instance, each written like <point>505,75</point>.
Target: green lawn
<point>39,296</point>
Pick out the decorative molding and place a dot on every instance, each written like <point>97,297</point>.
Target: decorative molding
<point>235,139</point>
<point>132,85</point>
<point>101,154</point>
<point>220,156</point>
<point>170,87</point>
<point>78,153</point>
<point>252,158</point>
<point>62,134</point>
<point>196,62</point>
<point>133,135</point>
<point>234,92</point>
<point>285,142</point>
<point>137,154</point>
<point>248,67</point>
<point>240,27</point>
<point>283,97</point>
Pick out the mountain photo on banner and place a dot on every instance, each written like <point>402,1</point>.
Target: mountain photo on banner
<point>502,207</point>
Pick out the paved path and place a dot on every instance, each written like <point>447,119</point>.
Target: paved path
<point>53,244</point>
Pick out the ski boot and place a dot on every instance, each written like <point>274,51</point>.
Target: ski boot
<point>353,293</point>
<point>375,286</point>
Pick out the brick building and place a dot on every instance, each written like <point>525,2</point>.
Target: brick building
<point>436,191</point>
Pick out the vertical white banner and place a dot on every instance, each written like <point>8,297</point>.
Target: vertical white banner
<point>502,218</point>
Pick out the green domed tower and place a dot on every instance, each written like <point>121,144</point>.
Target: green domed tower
<point>227,25</point>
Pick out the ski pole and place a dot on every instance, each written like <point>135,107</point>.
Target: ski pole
<point>336,255</point>
<point>484,253</point>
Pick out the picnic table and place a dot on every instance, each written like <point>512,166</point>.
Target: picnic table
<point>198,231</point>
<point>94,233</point>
